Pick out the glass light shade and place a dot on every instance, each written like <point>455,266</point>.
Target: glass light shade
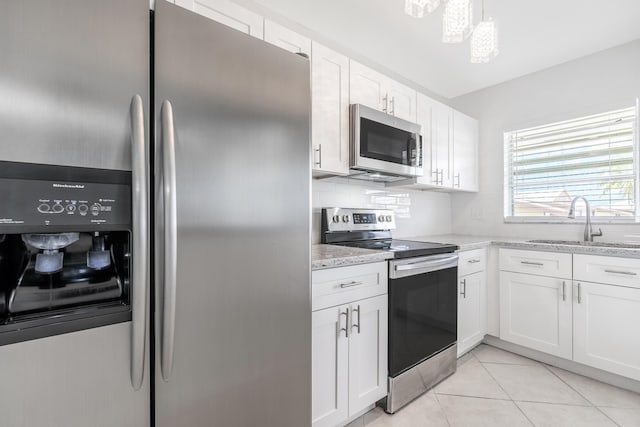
<point>417,8</point>
<point>484,42</point>
<point>457,21</point>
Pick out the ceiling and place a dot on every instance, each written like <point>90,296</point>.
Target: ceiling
<point>533,35</point>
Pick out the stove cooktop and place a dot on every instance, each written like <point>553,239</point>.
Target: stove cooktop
<point>402,248</point>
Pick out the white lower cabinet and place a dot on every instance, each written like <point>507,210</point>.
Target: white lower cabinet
<point>535,312</point>
<point>606,319</point>
<point>368,353</point>
<point>471,312</point>
<point>595,324</point>
<point>349,343</point>
<point>472,298</point>
<point>330,371</point>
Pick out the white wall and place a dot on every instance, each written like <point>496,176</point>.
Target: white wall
<point>597,83</point>
<point>418,213</point>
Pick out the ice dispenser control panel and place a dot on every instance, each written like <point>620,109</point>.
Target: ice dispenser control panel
<point>52,196</point>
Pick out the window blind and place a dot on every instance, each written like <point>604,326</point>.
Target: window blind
<point>595,157</point>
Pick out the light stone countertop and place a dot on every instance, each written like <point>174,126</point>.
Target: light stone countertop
<point>329,256</point>
<point>466,243</point>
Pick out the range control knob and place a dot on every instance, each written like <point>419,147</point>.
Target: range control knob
<point>57,208</point>
<point>388,218</point>
<point>345,218</point>
<point>44,207</point>
<point>83,209</point>
<point>336,218</point>
<point>381,218</point>
<point>71,208</point>
<point>95,209</point>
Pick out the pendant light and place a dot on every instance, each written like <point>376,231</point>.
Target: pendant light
<point>417,8</point>
<point>457,21</point>
<point>484,41</point>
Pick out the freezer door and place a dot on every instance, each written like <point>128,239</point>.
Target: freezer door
<point>233,329</point>
<point>79,379</point>
<point>70,69</point>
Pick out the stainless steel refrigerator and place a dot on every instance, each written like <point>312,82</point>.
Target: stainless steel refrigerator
<point>214,126</point>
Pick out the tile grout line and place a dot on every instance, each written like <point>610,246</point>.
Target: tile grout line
<point>446,418</point>
<point>508,395</point>
<point>583,396</point>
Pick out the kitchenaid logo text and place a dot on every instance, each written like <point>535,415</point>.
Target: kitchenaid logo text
<point>68,185</point>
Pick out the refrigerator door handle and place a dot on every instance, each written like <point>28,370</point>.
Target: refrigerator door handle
<point>170,240</point>
<point>140,268</point>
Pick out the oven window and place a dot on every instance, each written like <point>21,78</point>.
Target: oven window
<point>386,143</point>
<point>423,313</point>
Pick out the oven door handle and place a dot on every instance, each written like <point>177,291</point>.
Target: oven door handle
<point>451,261</point>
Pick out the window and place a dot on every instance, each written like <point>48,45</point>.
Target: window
<point>595,157</point>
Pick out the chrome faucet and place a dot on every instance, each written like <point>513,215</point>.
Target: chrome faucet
<point>588,231</point>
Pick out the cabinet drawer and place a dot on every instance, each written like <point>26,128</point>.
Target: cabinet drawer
<point>342,285</point>
<point>550,264</point>
<point>473,261</point>
<point>608,270</point>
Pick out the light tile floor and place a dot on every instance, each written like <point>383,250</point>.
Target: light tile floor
<point>496,388</point>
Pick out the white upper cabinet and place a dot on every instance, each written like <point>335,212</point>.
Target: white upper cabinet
<point>375,90</point>
<point>424,110</point>
<point>228,13</point>
<point>285,38</point>
<point>367,87</point>
<point>441,144</point>
<point>465,152</point>
<point>329,111</point>
<point>402,100</point>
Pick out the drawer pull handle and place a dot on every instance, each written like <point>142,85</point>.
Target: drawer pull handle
<point>464,288</point>
<point>350,284</point>
<point>473,261</point>
<point>564,290</point>
<point>628,273</point>
<point>539,264</point>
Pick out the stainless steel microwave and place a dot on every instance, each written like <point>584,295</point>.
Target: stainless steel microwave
<point>383,147</point>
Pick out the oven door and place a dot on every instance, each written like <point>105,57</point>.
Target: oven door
<point>423,309</point>
<point>384,143</point>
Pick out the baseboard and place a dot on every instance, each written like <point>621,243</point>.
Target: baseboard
<point>568,365</point>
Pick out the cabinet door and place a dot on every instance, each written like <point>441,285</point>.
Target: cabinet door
<point>228,13</point>
<point>471,310</point>
<point>402,101</point>
<point>367,87</point>
<point>605,328</point>
<point>425,117</point>
<point>442,123</point>
<point>465,152</point>
<point>330,110</point>
<point>367,353</point>
<point>535,312</point>
<point>285,38</point>
<point>330,364</point>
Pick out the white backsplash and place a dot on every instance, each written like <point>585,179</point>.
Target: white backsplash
<point>418,213</point>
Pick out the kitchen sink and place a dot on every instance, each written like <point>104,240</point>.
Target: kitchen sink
<point>582,243</point>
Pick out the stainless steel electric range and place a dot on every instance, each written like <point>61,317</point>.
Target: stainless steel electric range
<point>423,308</point>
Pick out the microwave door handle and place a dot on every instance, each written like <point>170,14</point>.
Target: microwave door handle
<point>140,244</point>
<point>170,241</point>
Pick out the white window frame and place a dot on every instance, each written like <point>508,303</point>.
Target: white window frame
<point>508,194</point>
